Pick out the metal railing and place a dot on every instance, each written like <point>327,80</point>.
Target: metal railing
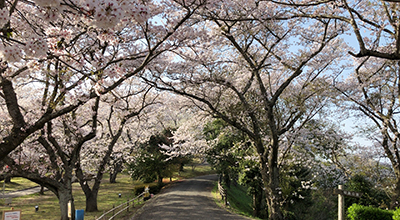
<point>119,209</point>
<point>223,193</point>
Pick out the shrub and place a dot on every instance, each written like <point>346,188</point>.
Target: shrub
<point>359,212</point>
<point>396,214</point>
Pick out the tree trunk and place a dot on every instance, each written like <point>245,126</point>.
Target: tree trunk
<point>41,190</point>
<point>274,195</point>
<point>64,197</point>
<point>91,201</point>
<point>256,209</point>
<point>181,165</point>
<point>274,209</point>
<point>8,179</point>
<point>117,169</point>
<point>270,174</point>
<point>90,193</point>
<point>257,201</point>
<point>113,177</point>
<point>396,195</point>
<point>159,179</point>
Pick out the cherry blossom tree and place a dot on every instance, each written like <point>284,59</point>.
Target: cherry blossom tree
<point>372,93</point>
<point>117,110</point>
<point>56,57</point>
<point>188,137</point>
<point>76,144</point>
<point>373,25</point>
<point>177,115</point>
<point>74,51</point>
<point>49,158</point>
<point>264,75</point>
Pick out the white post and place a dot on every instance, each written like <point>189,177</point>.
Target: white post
<point>69,209</point>
<point>340,204</point>
<point>4,189</point>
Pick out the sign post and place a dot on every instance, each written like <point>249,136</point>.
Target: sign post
<point>69,209</point>
<point>341,194</point>
<point>12,215</point>
<point>340,204</point>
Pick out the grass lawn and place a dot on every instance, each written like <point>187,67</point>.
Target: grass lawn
<point>16,184</point>
<point>107,198</point>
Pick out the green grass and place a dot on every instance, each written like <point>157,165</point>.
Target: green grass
<point>107,198</point>
<point>240,202</point>
<point>17,184</point>
<point>48,203</point>
<point>198,170</point>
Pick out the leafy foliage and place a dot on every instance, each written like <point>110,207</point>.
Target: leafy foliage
<point>372,196</point>
<point>150,162</point>
<point>223,156</point>
<point>359,212</point>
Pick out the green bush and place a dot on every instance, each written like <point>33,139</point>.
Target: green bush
<point>396,214</point>
<point>359,212</point>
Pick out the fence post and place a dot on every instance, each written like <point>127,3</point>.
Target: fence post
<point>127,204</point>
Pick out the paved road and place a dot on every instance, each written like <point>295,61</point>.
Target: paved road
<point>21,192</point>
<point>187,200</point>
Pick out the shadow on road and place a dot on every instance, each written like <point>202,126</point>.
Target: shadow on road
<point>187,200</point>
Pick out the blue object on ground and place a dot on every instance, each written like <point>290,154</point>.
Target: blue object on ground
<point>79,214</point>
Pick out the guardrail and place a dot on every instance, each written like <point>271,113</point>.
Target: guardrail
<point>121,208</point>
<point>223,193</point>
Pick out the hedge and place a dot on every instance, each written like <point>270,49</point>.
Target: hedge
<point>359,212</point>
<point>396,214</point>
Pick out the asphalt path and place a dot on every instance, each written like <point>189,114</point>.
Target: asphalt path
<point>187,200</point>
<point>21,192</point>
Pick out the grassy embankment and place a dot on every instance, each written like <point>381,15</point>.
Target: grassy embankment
<point>108,195</point>
<point>240,202</point>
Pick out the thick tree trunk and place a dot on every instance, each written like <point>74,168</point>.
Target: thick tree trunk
<point>90,193</point>
<point>65,197</point>
<point>273,193</point>
<point>270,174</point>
<point>91,201</point>
<point>274,209</point>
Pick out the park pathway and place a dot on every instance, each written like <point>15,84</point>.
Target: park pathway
<point>187,200</point>
<point>21,192</point>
